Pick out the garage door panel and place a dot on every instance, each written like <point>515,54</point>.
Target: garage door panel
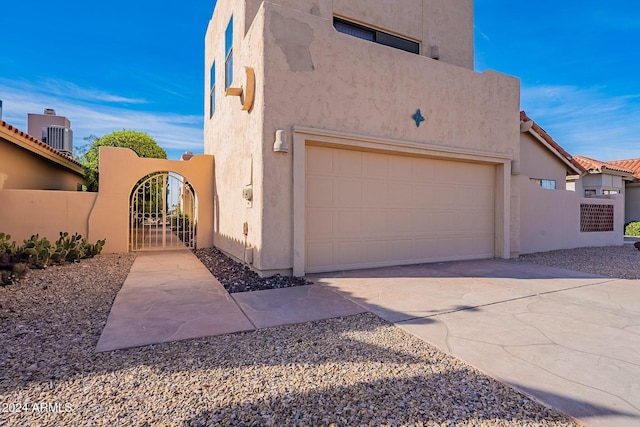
<point>401,195</point>
<point>347,222</point>
<point>375,194</point>
<point>375,222</point>
<point>401,222</point>
<point>319,191</point>
<point>375,166</point>
<point>401,250</point>
<point>375,252</point>
<point>347,163</point>
<point>349,253</point>
<point>381,209</point>
<point>400,168</point>
<point>319,224</point>
<point>320,255</point>
<point>348,193</point>
<point>319,161</point>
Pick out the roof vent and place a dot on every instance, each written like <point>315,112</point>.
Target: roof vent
<point>49,112</point>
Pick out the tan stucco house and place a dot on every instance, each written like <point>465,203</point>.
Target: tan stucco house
<point>356,133</point>
<point>552,213</point>
<point>27,163</point>
<point>613,177</point>
<point>632,188</point>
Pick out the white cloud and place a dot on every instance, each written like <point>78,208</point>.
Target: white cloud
<point>590,122</point>
<point>94,112</point>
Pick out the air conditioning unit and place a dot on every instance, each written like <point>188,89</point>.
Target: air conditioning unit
<point>58,137</point>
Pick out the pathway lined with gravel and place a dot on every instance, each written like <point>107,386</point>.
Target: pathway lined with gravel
<point>356,370</point>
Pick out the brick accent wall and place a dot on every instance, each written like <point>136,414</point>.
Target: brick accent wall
<point>594,218</point>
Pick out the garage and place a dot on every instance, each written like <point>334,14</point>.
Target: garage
<point>370,209</point>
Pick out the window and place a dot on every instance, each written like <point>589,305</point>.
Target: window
<point>212,90</point>
<point>548,184</point>
<point>589,193</point>
<point>375,36</point>
<point>228,54</point>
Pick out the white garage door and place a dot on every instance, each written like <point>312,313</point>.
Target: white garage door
<point>371,210</point>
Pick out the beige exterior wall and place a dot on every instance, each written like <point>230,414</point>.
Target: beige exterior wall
<point>35,168</point>
<point>550,219</point>
<point>310,76</point>
<point>47,213</point>
<point>632,204</point>
<point>602,181</point>
<point>105,215</point>
<point>120,170</point>
<point>536,161</point>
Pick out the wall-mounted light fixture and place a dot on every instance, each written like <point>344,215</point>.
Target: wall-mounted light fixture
<point>434,52</point>
<point>280,144</point>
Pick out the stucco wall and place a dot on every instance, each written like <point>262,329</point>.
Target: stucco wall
<point>120,170</point>
<point>308,74</point>
<point>47,213</point>
<point>22,169</point>
<point>550,219</point>
<point>352,85</point>
<point>233,135</point>
<point>536,161</point>
<point>447,24</point>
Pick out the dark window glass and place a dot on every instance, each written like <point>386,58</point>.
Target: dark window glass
<point>212,90</point>
<point>376,36</point>
<point>228,47</point>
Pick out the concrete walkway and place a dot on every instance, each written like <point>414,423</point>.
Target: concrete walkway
<point>569,339</point>
<point>171,296</point>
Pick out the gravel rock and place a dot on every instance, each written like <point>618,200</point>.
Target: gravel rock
<point>622,262</point>
<point>236,277</point>
<point>356,370</point>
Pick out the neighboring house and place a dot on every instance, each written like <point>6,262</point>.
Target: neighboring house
<point>27,163</point>
<point>601,178</point>
<point>353,134</point>
<point>551,217</point>
<point>632,188</point>
<point>613,177</point>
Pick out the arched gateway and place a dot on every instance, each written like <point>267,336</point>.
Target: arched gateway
<point>162,213</point>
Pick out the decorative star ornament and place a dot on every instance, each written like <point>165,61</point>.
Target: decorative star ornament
<point>418,117</point>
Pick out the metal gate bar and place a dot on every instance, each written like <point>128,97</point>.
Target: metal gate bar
<point>163,213</point>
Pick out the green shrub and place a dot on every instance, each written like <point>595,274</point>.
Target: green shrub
<point>632,229</point>
<point>7,246</point>
<point>38,252</point>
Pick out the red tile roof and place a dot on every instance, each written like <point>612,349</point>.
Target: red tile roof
<point>544,135</point>
<point>33,140</point>
<point>599,166</point>
<point>630,164</point>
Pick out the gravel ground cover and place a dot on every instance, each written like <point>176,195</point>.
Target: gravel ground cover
<point>356,370</point>
<point>236,277</point>
<point>622,262</point>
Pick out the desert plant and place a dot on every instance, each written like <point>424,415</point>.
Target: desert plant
<point>91,250</point>
<point>7,246</point>
<point>632,228</point>
<point>39,251</point>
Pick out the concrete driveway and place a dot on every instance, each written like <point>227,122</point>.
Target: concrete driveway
<point>570,340</point>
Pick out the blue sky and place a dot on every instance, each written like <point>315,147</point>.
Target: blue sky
<point>139,65</point>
